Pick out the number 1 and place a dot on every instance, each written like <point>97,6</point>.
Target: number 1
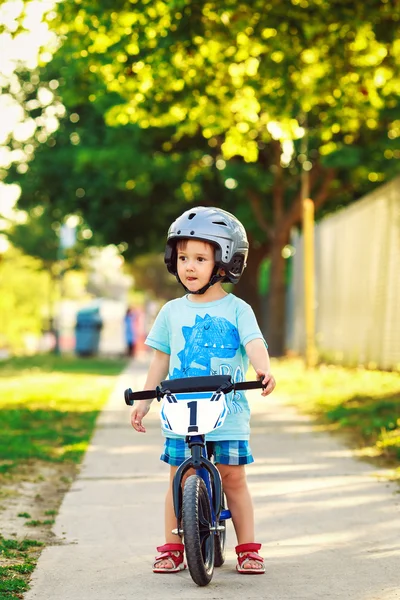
<point>193,416</point>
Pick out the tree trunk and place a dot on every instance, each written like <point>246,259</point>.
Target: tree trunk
<point>247,288</point>
<point>273,322</point>
<point>277,299</point>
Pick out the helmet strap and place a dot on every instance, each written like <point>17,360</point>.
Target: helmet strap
<point>215,277</point>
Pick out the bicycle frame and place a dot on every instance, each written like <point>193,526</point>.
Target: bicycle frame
<point>203,466</point>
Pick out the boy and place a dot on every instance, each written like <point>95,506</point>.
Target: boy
<point>206,332</point>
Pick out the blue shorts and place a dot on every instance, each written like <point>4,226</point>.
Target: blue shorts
<point>229,452</point>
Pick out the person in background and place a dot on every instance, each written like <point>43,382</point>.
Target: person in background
<point>130,332</point>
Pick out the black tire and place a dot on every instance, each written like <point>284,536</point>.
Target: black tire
<point>219,542</point>
<point>198,537</point>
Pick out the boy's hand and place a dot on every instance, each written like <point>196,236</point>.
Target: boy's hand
<point>268,380</point>
<point>140,410</point>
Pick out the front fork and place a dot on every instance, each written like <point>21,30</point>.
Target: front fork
<point>211,477</point>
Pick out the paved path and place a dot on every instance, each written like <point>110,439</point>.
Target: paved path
<point>329,526</point>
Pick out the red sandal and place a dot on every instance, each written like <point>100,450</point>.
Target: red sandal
<point>172,553</point>
<point>247,553</point>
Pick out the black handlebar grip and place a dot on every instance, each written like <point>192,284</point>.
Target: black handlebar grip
<point>127,396</point>
<point>249,385</point>
<point>130,396</point>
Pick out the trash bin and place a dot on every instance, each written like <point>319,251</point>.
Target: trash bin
<point>87,331</point>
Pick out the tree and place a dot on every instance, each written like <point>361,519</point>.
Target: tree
<point>115,178</point>
<point>150,274</point>
<point>232,88</point>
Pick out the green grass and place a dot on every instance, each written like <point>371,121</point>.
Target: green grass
<point>48,363</point>
<point>363,403</point>
<point>48,409</point>
<point>20,559</point>
<point>49,405</point>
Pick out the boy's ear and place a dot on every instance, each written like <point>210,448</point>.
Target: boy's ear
<point>221,272</point>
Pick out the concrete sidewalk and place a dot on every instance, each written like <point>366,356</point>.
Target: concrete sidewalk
<point>328,525</point>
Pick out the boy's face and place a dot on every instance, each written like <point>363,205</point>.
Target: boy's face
<point>195,263</point>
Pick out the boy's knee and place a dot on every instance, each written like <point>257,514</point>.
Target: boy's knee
<point>233,476</point>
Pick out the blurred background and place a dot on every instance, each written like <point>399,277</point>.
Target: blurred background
<point>115,117</point>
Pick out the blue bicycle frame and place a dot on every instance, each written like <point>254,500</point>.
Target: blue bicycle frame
<point>203,466</point>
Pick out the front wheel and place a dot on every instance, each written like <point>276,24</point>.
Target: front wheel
<point>197,524</point>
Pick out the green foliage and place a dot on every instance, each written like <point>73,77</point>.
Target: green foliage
<point>245,72</point>
<point>183,86</point>
<point>24,294</point>
<point>344,156</point>
<point>150,274</point>
<point>37,237</point>
<point>116,179</point>
<point>264,276</point>
<point>173,104</point>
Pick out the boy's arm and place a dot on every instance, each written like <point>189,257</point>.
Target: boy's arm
<point>157,372</point>
<point>259,358</point>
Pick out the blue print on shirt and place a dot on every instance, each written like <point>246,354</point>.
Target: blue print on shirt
<point>233,400</point>
<point>210,337</point>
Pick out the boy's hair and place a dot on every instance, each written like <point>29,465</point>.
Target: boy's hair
<point>182,243</point>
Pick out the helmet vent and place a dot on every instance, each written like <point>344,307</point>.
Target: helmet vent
<point>192,215</point>
<point>220,223</point>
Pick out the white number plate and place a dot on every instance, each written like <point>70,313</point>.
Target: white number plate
<point>193,413</point>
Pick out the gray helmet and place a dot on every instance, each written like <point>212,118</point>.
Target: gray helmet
<point>216,226</point>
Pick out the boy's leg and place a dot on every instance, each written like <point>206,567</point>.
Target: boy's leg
<point>169,524</point>
<point>170,519</point>
<point>174,454</point>
<point>240,505</point>
<point>239,500</point>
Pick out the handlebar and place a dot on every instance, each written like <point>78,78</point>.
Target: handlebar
<point>208,383</point>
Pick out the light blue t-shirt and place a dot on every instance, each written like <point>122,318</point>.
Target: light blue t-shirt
<point>209,338</point>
